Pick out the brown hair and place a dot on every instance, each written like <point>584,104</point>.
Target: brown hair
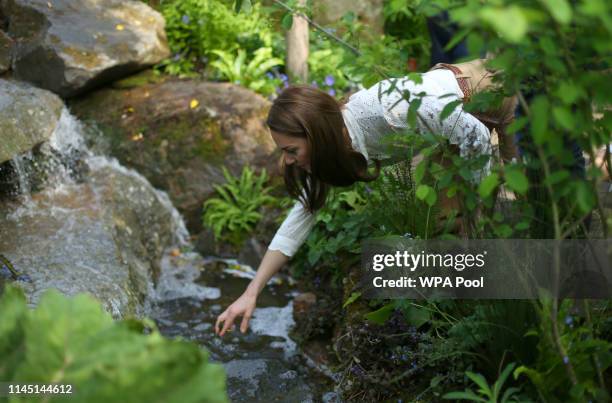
<point>306,112</point>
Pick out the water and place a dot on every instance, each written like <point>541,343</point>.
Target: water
<point>262,365</point>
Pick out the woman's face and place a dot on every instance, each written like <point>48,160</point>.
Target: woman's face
<point>295,149</point>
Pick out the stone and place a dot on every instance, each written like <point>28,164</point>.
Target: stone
<point>303,303</point>
<point>69,47</point>
<point>180,133</point>
<point>105,237</point>
<point>28,117</point>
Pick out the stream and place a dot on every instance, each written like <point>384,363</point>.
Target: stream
<point>263,365</point>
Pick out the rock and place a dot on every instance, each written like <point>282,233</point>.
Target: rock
<point>69,47</point>
<point>264,380</point>
<point>179,133</point>
<point>6,51</point>
<point>251,252</point>
<point>303,303</point>
<point>369,12</point>
<point>28,116</point>
<point>104,237</point>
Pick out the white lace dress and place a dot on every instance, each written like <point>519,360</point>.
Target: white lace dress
<point>372,114</point>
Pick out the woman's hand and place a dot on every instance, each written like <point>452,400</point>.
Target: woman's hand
<point>243,306</point>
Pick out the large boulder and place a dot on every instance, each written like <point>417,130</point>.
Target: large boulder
<point>68,46</point>
<point>28,116</point>
<point>105,236</point>
<point>180,133</point>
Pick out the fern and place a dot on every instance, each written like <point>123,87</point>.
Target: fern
<point>235,211</point>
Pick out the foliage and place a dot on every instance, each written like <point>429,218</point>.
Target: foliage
<point>406,20</point>
<point>555,56</point>
<point>252,74</point>
<point>73,341</point>
<point>235,212</point>
<point>197,28</point>
<point>570,341</point>
<point>486,393</point>
<point>325,66</point>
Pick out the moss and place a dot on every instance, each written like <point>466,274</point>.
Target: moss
<point>145,77</point>
<point>197,138</point>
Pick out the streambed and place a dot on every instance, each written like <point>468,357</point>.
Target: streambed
<point>262,365</point>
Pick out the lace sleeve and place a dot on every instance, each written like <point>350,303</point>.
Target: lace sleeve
<point>293,231</point>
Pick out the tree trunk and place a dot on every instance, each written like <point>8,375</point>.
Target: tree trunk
<point>297,48</point>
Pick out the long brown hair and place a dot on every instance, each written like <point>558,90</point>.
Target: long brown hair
<point>306,112</point>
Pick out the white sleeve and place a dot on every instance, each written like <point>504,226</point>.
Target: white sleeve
<point>293,231</point>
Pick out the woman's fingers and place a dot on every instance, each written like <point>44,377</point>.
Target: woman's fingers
<point>229,323</point>
<point>220,319</point>
<point>245,320</point>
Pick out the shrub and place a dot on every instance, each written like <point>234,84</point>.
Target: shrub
<point>74,341</point>
<point>196,28</point>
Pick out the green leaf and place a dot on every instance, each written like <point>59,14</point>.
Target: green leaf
<point>354,296</point>
<point>381,315</point>
<point>419,172</point>
<point>559,9</point>
<point>557,177</point>
<point>509,22</point>
<point>539,119</point>
<point>287,21</point>
<point>411,116</point>
<point>449,109</point>
<point>480,380</point>
<point>564,117</point>
<point>569,92</point>
<point>516,180</point>
<point>584,196</point>
<point>467,395</point>
<point>426,193</point>
<point>488,184</point>
<point>243,5</point>
<point>416,317</point>
<point>497,387</point>
<point>74,341</point>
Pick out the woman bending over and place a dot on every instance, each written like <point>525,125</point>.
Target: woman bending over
<point>328,144</point>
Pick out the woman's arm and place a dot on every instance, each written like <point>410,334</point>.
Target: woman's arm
<point>245,305</point>
<point>289,237</point>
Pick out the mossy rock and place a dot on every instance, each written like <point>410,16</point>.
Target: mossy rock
<point>179,133</point>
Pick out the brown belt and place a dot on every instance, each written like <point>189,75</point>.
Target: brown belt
<point>462,81</point>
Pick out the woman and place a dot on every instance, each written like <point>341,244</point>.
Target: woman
<point>325,144</point>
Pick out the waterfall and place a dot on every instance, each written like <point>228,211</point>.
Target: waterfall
<point>64,158</point>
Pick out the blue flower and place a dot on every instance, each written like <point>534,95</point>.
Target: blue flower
<point>566,360</point>
<point>329,80</point>
<point>284,78</point>
<point>332,92</point>
<point>569,320</point>
<point>185,19</point>
<point>177,57</point>
<point>314,84</point>
<point>285,84</point>
<point>270,75</point>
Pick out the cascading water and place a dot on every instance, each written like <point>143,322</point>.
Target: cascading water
<point>84,222</point>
